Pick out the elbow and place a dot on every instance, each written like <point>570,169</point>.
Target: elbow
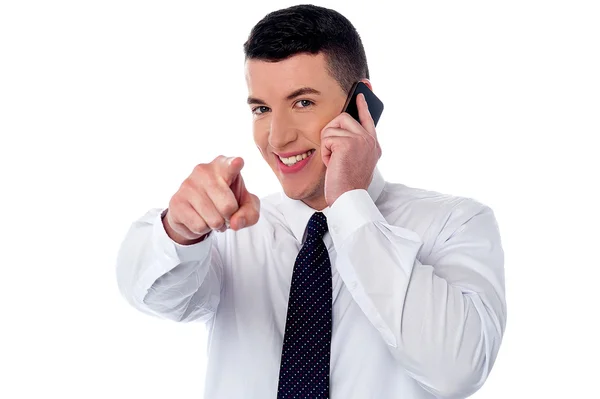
<point>199,307</point>
<point>462,371</point>
<point>456,382</point>
<point>141,300</point>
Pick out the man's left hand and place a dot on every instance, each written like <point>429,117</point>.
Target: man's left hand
<point>350,151</point>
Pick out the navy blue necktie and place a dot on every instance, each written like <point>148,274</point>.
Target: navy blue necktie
<point>304,370</point>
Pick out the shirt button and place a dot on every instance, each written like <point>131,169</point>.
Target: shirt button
<point>352,285</point>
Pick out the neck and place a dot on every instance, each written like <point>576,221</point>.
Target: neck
<point>317,203</point>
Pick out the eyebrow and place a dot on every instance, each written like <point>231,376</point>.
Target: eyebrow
<point>296,93</point>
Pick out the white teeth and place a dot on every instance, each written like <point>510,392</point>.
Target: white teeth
<point>296,158</point>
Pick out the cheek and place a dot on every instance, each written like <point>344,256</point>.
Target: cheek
<point>261,139</point>
<point>313,132</point>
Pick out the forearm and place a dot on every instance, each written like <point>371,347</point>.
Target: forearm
<point>448,336</point>
<point>162,278</point>
<point>444,320</point>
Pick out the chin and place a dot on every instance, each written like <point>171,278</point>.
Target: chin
<point>309,192</point>
<point>296,193</point>
<point>307,185</point>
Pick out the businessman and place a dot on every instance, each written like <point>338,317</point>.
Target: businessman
<point>343,285</point>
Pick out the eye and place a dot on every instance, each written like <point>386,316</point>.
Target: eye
<point>262,109</point>
<point>305,103</point>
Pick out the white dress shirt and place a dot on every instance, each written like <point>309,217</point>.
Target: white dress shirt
<point>419,305</point>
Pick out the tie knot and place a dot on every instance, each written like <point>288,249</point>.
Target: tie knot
<point>317,226</point>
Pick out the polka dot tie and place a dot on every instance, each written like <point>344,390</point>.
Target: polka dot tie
<point>304,370</point>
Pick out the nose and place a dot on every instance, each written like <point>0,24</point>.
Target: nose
<point>282,130</point>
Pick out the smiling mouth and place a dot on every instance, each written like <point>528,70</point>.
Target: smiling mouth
<point>290,161</point>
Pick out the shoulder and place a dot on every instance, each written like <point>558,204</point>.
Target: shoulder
<point>397,196</point>
<point>434,215</point>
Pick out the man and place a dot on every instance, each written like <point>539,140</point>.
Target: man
<point>344,285</point>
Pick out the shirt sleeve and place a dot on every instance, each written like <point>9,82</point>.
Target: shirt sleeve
<point>443,315</point>
<point>162,278</point>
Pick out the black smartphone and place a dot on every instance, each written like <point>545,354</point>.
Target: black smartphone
<point>374,103</point>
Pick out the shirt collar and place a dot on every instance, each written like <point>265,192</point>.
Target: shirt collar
<point>297,213</point>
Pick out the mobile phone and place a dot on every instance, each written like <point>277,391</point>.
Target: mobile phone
<point>374,103</point>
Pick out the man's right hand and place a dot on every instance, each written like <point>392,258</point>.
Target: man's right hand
<point>211,196</point>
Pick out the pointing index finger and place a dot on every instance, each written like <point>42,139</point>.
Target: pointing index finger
<point>230,168</point>
<point>366,120</point>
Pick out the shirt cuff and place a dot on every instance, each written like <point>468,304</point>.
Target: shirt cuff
<point>165,245</point>
<point>350,212</point>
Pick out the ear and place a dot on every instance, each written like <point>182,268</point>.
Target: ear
<point>368,83</point>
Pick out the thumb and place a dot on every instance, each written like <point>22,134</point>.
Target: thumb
<point>249,206</point>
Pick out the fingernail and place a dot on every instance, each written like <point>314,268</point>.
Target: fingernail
<point>242,223</point>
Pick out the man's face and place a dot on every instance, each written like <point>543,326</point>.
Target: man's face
<point>292,101</point>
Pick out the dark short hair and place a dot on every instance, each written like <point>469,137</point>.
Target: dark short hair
<point>310,29</point>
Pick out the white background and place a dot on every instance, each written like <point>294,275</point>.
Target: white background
<point>106,106</point>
